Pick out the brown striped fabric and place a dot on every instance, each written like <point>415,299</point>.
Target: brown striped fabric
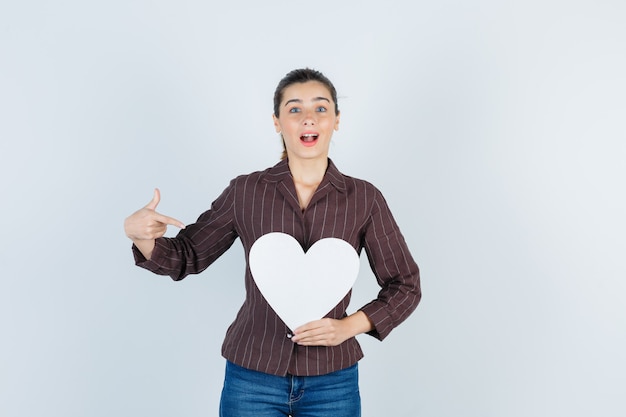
<point>263,202</point>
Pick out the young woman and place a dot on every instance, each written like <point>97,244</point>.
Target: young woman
<point>272,370</point>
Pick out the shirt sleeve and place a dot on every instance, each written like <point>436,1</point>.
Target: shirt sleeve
<point>394,268</point>
<point>198,245</point>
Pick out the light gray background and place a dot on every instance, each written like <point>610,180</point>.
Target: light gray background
<point>495,130</point>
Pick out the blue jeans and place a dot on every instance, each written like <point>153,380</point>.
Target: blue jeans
<point>250,393</point>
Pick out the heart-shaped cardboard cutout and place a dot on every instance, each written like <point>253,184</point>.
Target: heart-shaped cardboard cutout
<point>302,287</point>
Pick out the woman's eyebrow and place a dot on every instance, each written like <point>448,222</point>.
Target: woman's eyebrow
<point>293,100</point>
<point>299,101</point>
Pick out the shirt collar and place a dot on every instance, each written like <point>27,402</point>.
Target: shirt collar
<point>280,172</point>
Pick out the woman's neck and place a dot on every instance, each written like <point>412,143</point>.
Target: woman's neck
<point>308,172</point>
<point>307,176</point>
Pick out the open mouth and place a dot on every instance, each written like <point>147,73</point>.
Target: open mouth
<point>309,137</point>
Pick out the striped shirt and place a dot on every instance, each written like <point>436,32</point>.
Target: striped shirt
<point>266,201</point>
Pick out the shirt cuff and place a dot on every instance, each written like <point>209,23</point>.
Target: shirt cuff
<point>152,263</point>
<point>380,319</point>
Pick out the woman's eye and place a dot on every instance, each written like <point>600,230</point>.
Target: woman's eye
<point>294,110</point>
<point>321,109</point>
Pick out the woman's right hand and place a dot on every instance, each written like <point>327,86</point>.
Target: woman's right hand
<point>145,225</point>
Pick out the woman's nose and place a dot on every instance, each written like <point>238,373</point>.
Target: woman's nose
<point>309,118</point>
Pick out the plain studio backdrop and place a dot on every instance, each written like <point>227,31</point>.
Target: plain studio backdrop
<point>496,131</point>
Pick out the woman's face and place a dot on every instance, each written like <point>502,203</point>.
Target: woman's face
<point>307,120</point>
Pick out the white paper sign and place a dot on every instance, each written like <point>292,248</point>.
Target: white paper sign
<point>302,287</point>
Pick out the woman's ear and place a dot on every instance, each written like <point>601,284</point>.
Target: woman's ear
<point>276,123</point>
<point>337,121</point>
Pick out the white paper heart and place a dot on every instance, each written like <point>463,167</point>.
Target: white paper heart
<point>302,287</point>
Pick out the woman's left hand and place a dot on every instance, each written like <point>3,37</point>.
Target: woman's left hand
<point>331,332</point>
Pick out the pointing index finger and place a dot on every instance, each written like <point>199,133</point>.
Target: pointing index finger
<point>170,220</point>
